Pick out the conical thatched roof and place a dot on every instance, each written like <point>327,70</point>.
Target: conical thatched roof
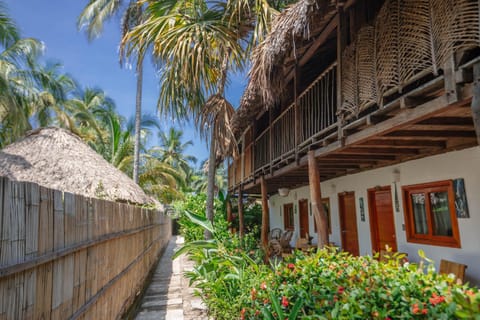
<point>293,27</point>
<point>58,159</point>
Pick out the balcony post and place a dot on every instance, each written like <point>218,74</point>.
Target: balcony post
<point>265,213</point>
<point>341,44</point>
<point>316,199</point>
<point>241,227</point>
<point>298,124</point>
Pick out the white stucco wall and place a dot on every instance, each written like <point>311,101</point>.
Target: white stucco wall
<point>456,164</point>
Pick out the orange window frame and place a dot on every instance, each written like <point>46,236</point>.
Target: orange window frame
<point>430,238</point>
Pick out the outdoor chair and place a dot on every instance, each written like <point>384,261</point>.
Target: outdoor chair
<point>285,241</point>
<point>451,267</point>
<point>275,234</point>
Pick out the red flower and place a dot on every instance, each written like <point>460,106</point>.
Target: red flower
<point>291,266</point>
<point>340,289</point>
<point>284,301</point>
<point>253,293</point>
<point>436,299</point>
<point>424,311</point>
<point>242,313</point>
<point>263,286</point>
<point>387,318</point>
<point>415,309</point>
<point>469,293</point>
<point>266,301</point>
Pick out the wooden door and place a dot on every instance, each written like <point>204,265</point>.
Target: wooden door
<point>288,223</point>
<point>303,216</point>
<point>382,226</point>
<point>348,222</point>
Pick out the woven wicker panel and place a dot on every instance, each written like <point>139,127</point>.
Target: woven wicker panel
<point>387,51</point>
<point>349,80</point>
<point>442,14</point>
<point>455,26</point>
<point>367,88</point>
<point>415,45</point>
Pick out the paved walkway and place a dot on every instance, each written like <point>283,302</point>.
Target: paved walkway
<point>168,297</point>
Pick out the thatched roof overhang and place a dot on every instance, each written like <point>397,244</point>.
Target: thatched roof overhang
<point>56,158</point>
<point>293,30</point>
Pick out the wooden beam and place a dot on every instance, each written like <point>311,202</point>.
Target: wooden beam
<point>319,41</point>
<point>316,199</point>
<point>241,225</point>
<point>265,213</point>
<point>475,106</point>
<point>369,150</point>
<point>432,133</point>
<point>380,143</point>
<point>408,116</point>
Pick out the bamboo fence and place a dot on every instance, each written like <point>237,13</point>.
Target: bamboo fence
<point>65,256</point>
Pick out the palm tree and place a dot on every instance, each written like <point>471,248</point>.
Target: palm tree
<point>198,44</point>
<point>171,150</point>
<point>16,81</point>
<point>92,18</point>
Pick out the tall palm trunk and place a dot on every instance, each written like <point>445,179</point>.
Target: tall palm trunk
<point>138,119</point>
<point>211,180</point>
<point>212,158</point>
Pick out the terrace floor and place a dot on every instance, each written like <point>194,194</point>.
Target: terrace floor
<point>169,297</point>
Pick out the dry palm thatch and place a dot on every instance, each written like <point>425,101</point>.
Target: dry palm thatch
<point>267,75</point>
<point>217,115</point>
<point>57,159</point>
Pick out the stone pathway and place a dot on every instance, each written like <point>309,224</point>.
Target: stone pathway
<point>168,296</point>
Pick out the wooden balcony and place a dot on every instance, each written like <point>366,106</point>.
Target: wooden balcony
<point>394,93</point>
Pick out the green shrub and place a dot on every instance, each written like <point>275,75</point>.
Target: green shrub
<point>195,203</point>
<point>333,285</point>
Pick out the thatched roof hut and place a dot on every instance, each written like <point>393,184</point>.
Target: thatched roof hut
<point>58,159</point>
<point>291,30</point>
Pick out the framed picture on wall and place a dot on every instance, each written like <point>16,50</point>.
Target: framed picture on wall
<point>461,205</point>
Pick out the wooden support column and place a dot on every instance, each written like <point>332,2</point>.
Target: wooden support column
<point>476,100</point>
<point>242,165</point>
<point>229,214</point>
<point>316,198</point>
<point>241,225</point>
<point>298,124</point>
<point>341,44</point>
<point>265,213</point>
<point>270,138</point>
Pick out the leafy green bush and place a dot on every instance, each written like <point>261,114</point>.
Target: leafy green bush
<point>195,203</point>
<point>336,285</point>
<point>324,285</point>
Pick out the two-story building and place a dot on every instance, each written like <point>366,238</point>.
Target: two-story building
<point>384,96</point>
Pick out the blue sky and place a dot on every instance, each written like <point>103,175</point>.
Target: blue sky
<point>95,64</point>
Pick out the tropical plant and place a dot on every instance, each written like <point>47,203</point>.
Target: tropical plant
<point>92,18</point>
<point>223,270</point>
<point>198,43</point>
<point>171,150</point>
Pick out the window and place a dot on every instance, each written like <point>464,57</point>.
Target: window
<point>430,214</point>
<point>288,221</point>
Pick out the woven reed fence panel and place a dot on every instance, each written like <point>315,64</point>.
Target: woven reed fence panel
<point>407,39</point>
<point>64,256</point>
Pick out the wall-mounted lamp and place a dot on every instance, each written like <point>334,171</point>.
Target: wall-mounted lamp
<point>283,192</point>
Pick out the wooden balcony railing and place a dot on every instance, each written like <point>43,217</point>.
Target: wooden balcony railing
<point>318,105</point>
<point>262,150</point>
<point>283,134</point>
